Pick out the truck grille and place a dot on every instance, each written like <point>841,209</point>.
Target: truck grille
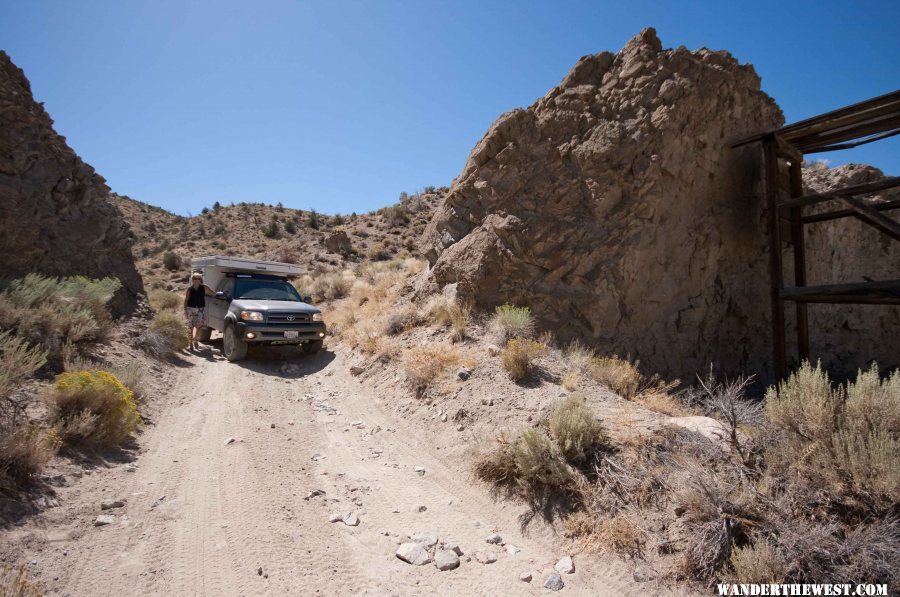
<point>287,319</point>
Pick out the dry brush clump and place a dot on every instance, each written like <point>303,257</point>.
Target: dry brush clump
<point>14,582</point>
<point>801,487</point>
<point>446,311</point>
<point>519,356</point>
<point>426,364</point>
<point>92,408</point>
<point>544,465</point>
<point>24,447</point>
<point>166,335</point>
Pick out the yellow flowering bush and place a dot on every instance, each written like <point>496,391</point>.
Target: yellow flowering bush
<point>93,408</point>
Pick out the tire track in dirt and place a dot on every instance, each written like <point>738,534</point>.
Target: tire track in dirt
<point>231,510</point>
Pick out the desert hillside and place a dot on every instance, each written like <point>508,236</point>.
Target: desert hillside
<point>272,232</point>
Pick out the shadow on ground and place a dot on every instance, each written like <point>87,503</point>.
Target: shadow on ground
<point>286,361</point>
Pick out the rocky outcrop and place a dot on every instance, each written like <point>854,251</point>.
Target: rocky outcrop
<point>56,218</point>
<point>615,208</point>
<point>847,337</point>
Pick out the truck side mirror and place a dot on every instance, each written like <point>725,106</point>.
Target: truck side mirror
<point>223,296</point>
<point>307,300</point>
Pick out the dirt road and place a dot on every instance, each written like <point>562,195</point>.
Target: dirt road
<point>207,517</point>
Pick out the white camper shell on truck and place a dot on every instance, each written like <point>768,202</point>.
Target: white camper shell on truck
<point>255,303</point>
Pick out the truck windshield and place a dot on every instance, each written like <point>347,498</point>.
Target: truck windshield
<point>269,290</point>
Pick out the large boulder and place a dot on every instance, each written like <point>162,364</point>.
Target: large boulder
<point>56,216</point>
<point>615,208</point>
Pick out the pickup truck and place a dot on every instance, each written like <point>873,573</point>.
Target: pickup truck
<point>260,308</point>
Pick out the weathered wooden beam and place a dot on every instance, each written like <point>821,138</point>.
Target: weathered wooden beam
<point>863,293</point>
<point>788,151</point>
<point>866,141</point>
<point>873,218</point>
<point>811,141</point>
<point>796,189</point>
<point>845,213</point>
<point>776,276</point>
<point>860,189</point>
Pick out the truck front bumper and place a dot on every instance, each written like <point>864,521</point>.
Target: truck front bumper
<point>275,334</point>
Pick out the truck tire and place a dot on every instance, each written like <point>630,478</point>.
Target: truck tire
<point>233,347</point>
<point>204,334</point>
<point>312,347</point>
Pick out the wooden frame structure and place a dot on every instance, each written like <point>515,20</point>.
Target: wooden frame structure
<point>852,126</point>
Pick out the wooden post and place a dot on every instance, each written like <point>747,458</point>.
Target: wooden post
<point>779,357</point>
<point>796,178</point>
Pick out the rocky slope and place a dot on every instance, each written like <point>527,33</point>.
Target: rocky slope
<point>56,218</point>
<point>615,208</point>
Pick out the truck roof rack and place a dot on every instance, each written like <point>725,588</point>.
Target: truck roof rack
<point>236,264</point>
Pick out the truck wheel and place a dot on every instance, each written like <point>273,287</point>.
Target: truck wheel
<point>312,347</point>
<point>234,348</point>
<point>204,334</point>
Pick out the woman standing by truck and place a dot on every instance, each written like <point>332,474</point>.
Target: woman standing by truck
<point>195,307</point>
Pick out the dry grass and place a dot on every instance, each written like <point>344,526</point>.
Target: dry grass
<point>446,311</point>
<point>756,564</point>
<point>518,358</point>
<point>571,380</point>
<point>14,582</point>
<point>23,454</point>
<point>163,299</point>
<point>619,375</point>
<point>510,321</point>
<point>403,319</point>
<point>425,364</point>
<point>92,408</point>
<point>620,535</point>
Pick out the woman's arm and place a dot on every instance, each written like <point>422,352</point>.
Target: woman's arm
<point>187,296</point>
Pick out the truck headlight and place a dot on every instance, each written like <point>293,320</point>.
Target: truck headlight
<point>317,317</point>
<point>251,316</point>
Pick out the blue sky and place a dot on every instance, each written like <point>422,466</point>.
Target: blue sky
<point>340,106</point>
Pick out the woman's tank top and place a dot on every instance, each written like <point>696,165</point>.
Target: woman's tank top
<point>197,297</point>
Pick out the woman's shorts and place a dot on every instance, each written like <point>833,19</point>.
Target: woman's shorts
<point>196,317</point>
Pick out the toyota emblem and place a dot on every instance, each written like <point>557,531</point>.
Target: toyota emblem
<point>290,318</point>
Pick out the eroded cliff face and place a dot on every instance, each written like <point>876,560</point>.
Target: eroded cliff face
<point>616,210</point>
<point>56,218</point>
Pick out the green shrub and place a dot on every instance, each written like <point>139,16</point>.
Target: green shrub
<point>844,438</point>
<point>290,227</point>
<point>272,230</point>
<point>56,312</point>
<point>171,328</point>
<point>574,428</point>
<point>92,408</point>
<point>171,261</point>
<point>18,361</point>
<point>509,321</point>
<point>518,357</point>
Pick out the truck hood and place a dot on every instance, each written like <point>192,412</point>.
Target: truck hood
<point>273,306</point>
